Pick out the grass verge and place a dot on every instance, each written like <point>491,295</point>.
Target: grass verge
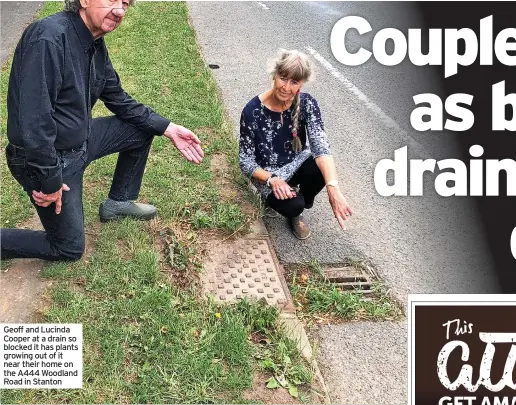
<point>148,337</point>
<point>317,300</point>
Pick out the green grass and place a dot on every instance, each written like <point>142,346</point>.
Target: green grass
<point>144,340</point>
<point>147,339</point>
<point>317,298</point>
<point>170,77</point>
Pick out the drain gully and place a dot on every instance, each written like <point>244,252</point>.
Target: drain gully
<point>349,278</point>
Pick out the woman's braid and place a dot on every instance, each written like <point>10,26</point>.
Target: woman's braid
<point>296,108</point>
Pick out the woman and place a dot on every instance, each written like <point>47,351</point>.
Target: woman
<point>283,146</point>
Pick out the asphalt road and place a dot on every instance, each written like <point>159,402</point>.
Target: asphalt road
<point>424,244</point>
<point>14,17</point>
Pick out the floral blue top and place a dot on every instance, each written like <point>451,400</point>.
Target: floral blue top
<point>267,143</point>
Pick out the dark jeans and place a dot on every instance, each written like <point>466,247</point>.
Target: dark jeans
<point>63,238</point>
<point>310,181</point>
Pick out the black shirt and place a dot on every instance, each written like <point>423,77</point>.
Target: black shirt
<point>59,72</point>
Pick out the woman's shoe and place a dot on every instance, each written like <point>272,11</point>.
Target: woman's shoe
<point>270,213</point>
<point>299,228</point>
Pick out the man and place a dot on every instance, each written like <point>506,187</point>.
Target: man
<point>61,67</point>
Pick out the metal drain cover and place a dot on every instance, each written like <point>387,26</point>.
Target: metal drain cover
<point>246,268</point>
<point>349,278</point>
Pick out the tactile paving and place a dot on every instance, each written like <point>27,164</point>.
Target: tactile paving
<point>245,268</point>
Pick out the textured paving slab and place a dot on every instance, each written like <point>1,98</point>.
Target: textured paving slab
<point>364,362</point>
<point>246,268</point>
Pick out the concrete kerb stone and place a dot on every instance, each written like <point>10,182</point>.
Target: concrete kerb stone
<point>289,321</point>
<point>296,331</point>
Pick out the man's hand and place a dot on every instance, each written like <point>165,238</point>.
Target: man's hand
<point>186,141</point>
<point>281,189</point>
<point>339,205</point>
<point>44,200</point>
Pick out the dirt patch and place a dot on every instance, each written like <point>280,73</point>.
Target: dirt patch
<point>165,90</point>
<point>21,287</point>
<point>222,176</point>
<point>91,234</point>
<point>176,243</point>
<point>208,132</point>
<point>22,290</point>
<point>261,394</point>
<point>196,243</point>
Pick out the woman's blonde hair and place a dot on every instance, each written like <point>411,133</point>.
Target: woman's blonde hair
<point>293,65</point>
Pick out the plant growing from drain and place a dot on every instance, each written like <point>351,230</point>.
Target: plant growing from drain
<point>316,296</point>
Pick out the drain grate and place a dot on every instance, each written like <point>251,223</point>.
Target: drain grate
<point>349,278</point>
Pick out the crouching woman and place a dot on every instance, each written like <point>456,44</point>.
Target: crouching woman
<point>283,147</point>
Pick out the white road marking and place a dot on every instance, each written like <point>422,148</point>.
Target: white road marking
<point>263,6</point>
<point>414,145</point>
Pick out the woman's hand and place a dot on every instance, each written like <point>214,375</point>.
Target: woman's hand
<point>281,189</point>
<point>340,206</point>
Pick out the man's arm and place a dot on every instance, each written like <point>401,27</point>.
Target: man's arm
<point>40,79</point>
<point>186,142</point>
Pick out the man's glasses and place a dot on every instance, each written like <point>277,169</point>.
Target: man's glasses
<point>113,5</point>
<point>123,10</point>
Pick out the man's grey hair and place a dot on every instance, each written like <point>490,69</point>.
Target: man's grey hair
<point>75,5</point>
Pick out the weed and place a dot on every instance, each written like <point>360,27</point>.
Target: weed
<point>280,356</point>
<point>223,216</point>
<point>318,298</point>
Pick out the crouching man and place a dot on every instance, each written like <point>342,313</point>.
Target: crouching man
<point>61,67</point>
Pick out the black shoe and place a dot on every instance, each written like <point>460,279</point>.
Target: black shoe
<point>144,212</point>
